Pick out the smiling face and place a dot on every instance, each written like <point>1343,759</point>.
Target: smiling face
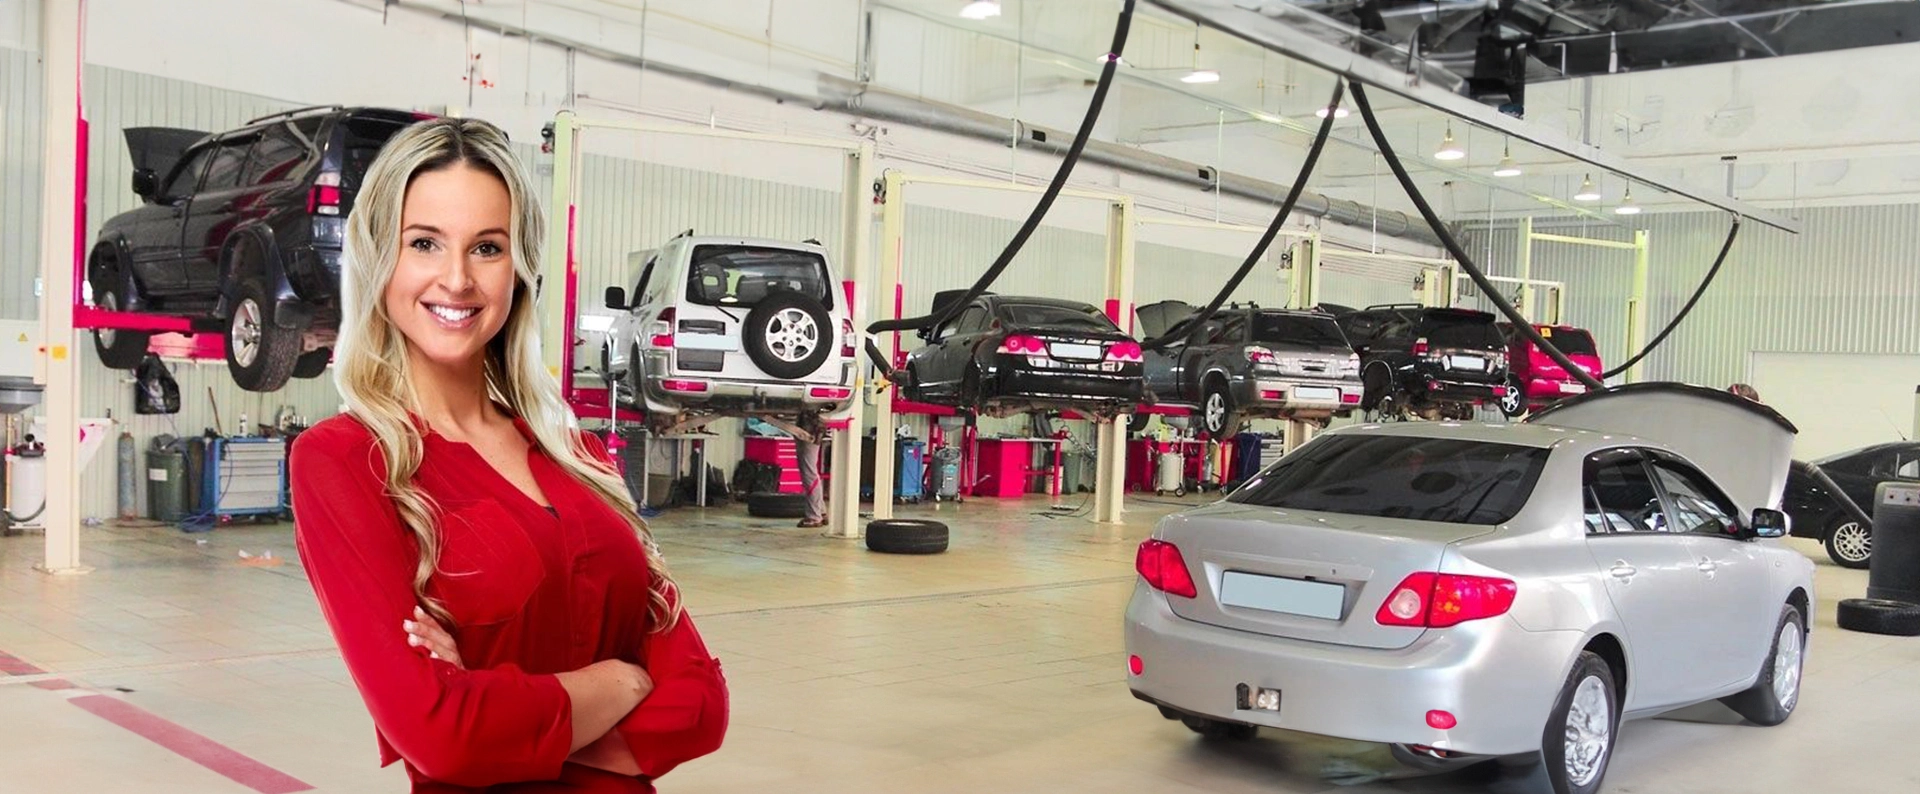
<point>453,283</point>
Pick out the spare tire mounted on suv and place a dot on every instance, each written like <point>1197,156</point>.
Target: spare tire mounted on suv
<point>788,335</point>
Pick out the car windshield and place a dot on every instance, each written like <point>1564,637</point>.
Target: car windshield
<point>1447,480</point>
<point>743,275</point>
<point>1064,318</point>
<point>1277,328</point>
<point>1462,332</point>
<point>1572,342</point>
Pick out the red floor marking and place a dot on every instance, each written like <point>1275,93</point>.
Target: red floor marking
<point>14,665</point>
<point>192,746</point>
<point>53,684</point>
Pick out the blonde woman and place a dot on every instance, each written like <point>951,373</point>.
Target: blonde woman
<point>492,588</point>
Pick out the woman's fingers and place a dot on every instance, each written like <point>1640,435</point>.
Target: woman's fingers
<point>425,632</point>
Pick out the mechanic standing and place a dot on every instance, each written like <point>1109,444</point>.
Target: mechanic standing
<point>807,448</point>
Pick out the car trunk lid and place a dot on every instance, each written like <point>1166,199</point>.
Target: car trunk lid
<point>730,279</point>
<point>1304,575</point>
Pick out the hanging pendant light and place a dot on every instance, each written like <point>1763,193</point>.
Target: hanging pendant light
<point>1507,167</point>
<point>1627,207</point>
<point>1448,149</point>
<point>1201,76</point>
<point>981,9</point>
<point>1587,190</point>
<point>1339,112</point>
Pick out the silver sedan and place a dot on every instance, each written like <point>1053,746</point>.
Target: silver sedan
<point>1469,592</point>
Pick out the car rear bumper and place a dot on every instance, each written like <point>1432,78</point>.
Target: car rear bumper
<point>696,390</point>
<point>1547,390</point>
<point>1124,386</point>
<point>1499,680</point>
<point>1449,388</point>
<point>1298,395</point>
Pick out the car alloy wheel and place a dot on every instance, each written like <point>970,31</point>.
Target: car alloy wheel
<point>1851,544</point>
<point>1788,652</point>
<point>1589,731</point>
<point>107,301</point>
<point>244,332</point>
<point>1511,403</point>
<point>792,335</point>
<point>1216,411</point>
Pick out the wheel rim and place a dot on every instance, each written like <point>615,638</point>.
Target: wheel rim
<point>1787,654</point>
<point>1216,412</point>
<point>1510,401</point>
<point>107,302</point>
<point>1589,731</point>
<point>792,335</point>
<point>244,334</point>
<point>1853,542</point>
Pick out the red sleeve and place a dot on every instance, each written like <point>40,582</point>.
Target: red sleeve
<point>685,717</point>
<point>470,728</point>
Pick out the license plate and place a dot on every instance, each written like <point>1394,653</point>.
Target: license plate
<point>1471,363</point>
<point>1316,394</point>
<point>1573,388</point>
<point>1078,352</point>
<point>1279,594</point>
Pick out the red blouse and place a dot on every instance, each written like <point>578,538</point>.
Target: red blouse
<point>532,594</point>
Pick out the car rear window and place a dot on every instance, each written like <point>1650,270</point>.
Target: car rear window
<point>1462,332</point>
<point>361,139</point>
<point>744,275</point>
<point>1446,480</point>
<point>1571,342</point>
<point>1295,329</point>
<point>1029,315</point>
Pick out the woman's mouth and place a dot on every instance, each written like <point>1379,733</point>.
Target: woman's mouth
<point>452,317</point>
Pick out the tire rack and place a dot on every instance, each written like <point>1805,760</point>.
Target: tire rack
<point>560,318</point>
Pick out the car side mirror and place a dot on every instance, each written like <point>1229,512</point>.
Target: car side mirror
<point>617,298</point>
<point>1769,523</point>
<point>145,183</point>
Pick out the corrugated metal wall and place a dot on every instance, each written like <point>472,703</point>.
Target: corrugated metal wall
<point>20,176</point>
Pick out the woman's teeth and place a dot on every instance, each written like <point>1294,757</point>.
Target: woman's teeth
<point>451,314</point>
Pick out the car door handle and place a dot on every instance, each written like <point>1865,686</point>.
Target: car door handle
<point>1623,571</point>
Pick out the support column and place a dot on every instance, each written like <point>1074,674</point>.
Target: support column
<point>893,228</point>
<point>1637,306</point>
<point>1110,463</point>
<point>1303,284</point>
<point>1526,269</point>
<point>557,254</point>
<point>856,261</point>
<point>64,221</point>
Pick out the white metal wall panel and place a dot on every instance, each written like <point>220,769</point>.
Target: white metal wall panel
<point>1165,272</point>
<point>20,175</point>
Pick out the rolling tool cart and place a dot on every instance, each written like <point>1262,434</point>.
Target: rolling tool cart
<point>244,477</point>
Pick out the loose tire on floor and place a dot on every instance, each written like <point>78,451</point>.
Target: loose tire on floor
<point>1568,773</point>
<point>1773,697</point>
<point>1849,544</point>
<point>1880,616</point>
<point>777,505</point>
<point>906,536</point>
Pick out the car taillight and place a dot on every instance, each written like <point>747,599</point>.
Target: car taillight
<point>1351,366</point>
<point>1023,345</point>
<point>829,393</point>
<point>846,339</point>
<point>1349,398</point>
<point>1420,347</point>
<point>1125,352</point>
<point>1438,600</point>
<point>684,385</point>
<point>324,198</point>
<point>1261,355</point>
<point>1161,565</point>
<point>663,329</point>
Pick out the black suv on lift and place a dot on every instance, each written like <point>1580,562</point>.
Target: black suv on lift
<point>241,232</point>
<point>1430,361</point>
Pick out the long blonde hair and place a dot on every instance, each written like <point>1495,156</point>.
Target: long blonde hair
<point>371,354</point>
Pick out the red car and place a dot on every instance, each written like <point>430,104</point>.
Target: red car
<point>1534,379</point>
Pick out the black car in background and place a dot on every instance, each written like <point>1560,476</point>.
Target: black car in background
<point>1247,361</point>
<point>1819,516</point>
<point>241,232</point>
<point>1002,355</point>
<point>1429,361</point>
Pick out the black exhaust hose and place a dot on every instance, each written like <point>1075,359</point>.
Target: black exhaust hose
<point>1266,240</point>
<point>1046,199</point>
<point>879,359</point>
<point>1682,314</point>
<point>1487,288</point>
<point>1839,497</point>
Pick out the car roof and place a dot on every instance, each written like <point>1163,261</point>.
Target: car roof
<point>755,242</point>
<point>1002,300</point>
<point>1524,435</point>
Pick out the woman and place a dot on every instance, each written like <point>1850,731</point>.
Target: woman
<point>491,586</point>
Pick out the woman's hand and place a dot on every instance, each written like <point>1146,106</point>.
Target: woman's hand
<point>425,632</point>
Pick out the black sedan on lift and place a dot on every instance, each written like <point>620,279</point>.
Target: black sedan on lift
<point>1001,355</point>
<point>1819,516</point>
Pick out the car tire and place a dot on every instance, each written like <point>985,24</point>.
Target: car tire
<point>1514,403</point>
<point>1880,616</point>
<point>1218,416</point>
<point>1849,544</point>
<point>1219,729</point>
<point>1376,384</point>
<point>765,504</point>
<point>788,335</point>
<point>1775,694</point>
<point>1137,423</point>
<point>313,364</point>
<point>118,348</point>
<point>907,536</point>
<point>1590,705</point>
<point>260,355</point>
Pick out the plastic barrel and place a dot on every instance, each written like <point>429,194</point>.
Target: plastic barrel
<point>1894,571</point>
<point>167,485</point>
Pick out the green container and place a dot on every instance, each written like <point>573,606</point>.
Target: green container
<point>167,485</point>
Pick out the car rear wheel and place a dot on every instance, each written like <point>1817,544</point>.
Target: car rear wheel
<point>1513,401</point>
<point>1772,698</point>
<point>1850,543</point>
<point>118,348</point>
<point>1217,414</point>
<point>260,355</point>
<point>1376,386</point>
<point>1578,741</point>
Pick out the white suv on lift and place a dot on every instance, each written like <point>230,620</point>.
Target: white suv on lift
<point>731,326</point>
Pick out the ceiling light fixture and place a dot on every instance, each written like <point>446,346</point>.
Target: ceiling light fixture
<point>1507,167</point>
<point>1201,76</point>
<point>1339,112</point>
<point>1627,207</point>
<point>1448,149</point>
<point>981,9</point>
<point>1587,191</point>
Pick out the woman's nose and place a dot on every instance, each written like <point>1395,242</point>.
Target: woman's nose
<point>458,275</point>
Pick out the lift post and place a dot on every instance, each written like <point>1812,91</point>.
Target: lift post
<point>1636,301</point>
<point>64,138</point>
<point>1110,446</point>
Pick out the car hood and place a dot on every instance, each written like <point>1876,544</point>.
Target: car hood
<point>1157,318</point>
<point>1745,446</point>
<point>159,148</point>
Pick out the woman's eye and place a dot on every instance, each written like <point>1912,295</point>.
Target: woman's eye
<point>488,249</point>
<point>422,245</point>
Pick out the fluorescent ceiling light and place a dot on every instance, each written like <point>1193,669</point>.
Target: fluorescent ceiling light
<point>981,9</point>
<point>1339,112</point>
<point>1202,76</point>
<point>1507,167</point>
<point>1587,191</point>
<point>1448,149</point>
<point>1627,207</point>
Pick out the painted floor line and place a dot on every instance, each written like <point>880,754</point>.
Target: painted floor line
<point>192,746</point>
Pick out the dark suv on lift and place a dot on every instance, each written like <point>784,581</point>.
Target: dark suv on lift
<point>1429,361</point>
<point>241,232</point>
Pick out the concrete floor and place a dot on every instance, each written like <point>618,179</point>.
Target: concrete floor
<point>996,666</point>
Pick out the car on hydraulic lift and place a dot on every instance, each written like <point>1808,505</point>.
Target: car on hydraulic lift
<point>1469,592</point>
<point>1534,379</point>
<point>1000,355</point>
<point>242,232</point>
<point>1247,361</point>
<point>1818,515</point>
<point>1424,360</point>
<point>733,326</point>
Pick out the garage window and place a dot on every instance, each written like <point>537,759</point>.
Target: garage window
<point>742,275</point>
<point>1448,480</point>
